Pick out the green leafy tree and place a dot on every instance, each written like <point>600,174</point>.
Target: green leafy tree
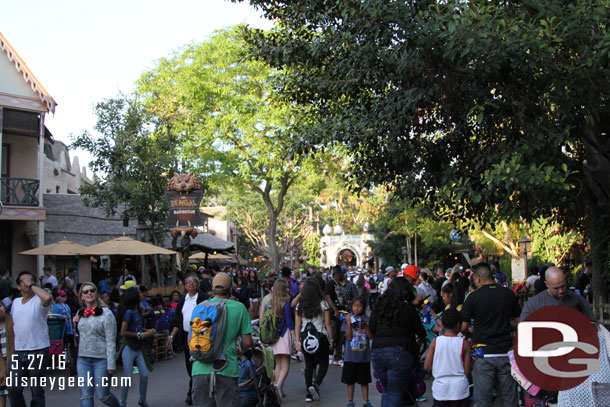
<point>130,163</point>
<point>226,125</point>
<point>400,227</point>
<point>551,242</point>
<point>479,111</point>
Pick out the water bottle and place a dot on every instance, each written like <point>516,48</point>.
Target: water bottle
<point>427,314</point>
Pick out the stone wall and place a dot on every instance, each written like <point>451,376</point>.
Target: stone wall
<point>68,218</point>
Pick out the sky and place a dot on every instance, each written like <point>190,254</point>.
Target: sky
<point>83,51</point>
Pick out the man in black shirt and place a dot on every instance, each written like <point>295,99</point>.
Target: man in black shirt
<point>493,308</point>
<point>335,297</point>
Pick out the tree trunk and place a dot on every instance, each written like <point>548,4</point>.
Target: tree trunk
<point>409,258</point>
<point>273,251</point>
<point>415,247</point>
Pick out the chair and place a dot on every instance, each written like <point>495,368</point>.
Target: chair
<point>160,346</point>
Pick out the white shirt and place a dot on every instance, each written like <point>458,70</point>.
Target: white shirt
<point>69,283</point>
<point>384,285</point>
<point>123,279</point>
<point>50,279</point>
<point>318,320</point>
<point>532,279</point>
<point>30,324</point>
<point>450,382</point>
<point>187,310</point>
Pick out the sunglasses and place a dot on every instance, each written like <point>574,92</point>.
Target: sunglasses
<point>91,291</point>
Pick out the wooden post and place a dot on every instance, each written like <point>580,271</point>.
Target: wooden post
<point>145,273</point>
<point>173,261</point>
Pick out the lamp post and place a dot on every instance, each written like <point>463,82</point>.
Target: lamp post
<point>525,247</point>
<point>404,254</point>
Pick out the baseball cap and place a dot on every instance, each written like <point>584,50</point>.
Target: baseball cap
<point>411,271</point>
<point>389,269</point>
<point>61,293</point>
<point>222,281</point>
<point>128,284</point>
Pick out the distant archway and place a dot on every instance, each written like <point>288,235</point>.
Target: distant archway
<point>347,257</point>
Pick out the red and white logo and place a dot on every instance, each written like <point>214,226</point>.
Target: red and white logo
<point>556,348</point>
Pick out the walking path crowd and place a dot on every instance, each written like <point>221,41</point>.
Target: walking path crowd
<point>239,331</point>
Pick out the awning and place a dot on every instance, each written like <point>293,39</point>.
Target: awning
<point>208,243</point>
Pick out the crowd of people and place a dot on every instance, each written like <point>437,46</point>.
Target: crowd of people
<point>394,327</point>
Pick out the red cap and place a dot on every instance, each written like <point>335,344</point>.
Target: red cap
<point>411,271</point>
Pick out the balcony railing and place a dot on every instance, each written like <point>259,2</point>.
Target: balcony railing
<point>19,191</point>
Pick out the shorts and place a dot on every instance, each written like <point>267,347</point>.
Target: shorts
<point>451,403</point>
<point>354,372</point>
<point>252,299</point>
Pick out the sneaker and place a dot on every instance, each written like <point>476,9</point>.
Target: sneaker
<point>135,370</point>
<point>422,398</point>
<point>315,392</point>
<point>143,403</point>
<point>350,404</point>
<point>367,404</point>
<point>338,363</point>
<point>308,398</point>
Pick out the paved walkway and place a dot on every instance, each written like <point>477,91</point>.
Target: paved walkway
<point>167,387</point>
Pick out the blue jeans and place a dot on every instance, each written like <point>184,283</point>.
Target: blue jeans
<point>96,368</point>
<point>129,357</point>
<point>32,364</point>
<point>394,367</point>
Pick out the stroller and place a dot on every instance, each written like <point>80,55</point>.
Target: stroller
<point>58,349</point>
<point>263,370</point>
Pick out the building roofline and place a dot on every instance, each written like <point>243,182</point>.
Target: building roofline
<point>27,74</point>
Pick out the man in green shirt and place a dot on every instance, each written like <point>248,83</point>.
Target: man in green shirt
<point>226,391</point>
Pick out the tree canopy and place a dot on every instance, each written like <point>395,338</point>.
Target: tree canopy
<point>130,162</point>
<point>478,111</point>
<point>217,107</point>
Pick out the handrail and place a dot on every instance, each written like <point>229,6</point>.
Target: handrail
<point>19,191</point>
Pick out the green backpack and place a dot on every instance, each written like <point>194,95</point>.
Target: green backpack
<point>270,327</point>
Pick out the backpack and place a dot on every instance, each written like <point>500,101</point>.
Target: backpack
<point>162,319</point>
<point>208,329</point>
<point>310,339</point>
<point>270,327</point>
<point>294,288</point>
<point>372,283</point>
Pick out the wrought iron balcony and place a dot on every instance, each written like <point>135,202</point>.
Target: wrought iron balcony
<point>19,191</point>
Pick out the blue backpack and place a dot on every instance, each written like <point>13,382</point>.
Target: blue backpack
<point>162,318</point>
<point>208,329</point>
<point>294,288</point>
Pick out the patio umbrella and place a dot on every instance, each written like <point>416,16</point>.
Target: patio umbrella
<point>62,248</point>
<point>124,246</point>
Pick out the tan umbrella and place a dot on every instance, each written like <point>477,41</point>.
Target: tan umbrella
<point>124,246</point>
<point>62,248</point>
